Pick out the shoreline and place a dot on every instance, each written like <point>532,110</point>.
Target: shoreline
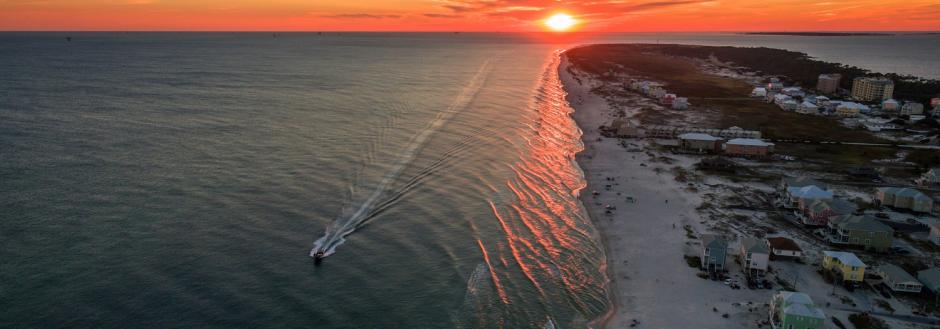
<point>645,241</point>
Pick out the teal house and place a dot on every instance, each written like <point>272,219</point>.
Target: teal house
<point>795,310</point>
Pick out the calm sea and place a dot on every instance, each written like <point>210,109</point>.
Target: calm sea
<point>181,180</point>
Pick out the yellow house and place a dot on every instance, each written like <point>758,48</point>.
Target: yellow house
<point>844,264</point>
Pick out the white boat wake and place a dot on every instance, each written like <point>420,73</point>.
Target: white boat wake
<point>350,220</point>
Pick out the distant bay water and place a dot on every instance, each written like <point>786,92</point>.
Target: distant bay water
<point>181,179</point>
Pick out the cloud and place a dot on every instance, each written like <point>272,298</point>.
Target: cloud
<point>535,9</point>
<point>436,15</point>
<point>362,16</point>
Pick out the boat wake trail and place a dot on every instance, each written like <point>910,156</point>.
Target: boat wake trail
<point>354,217</point>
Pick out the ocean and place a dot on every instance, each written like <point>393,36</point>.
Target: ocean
<point>184,179</point>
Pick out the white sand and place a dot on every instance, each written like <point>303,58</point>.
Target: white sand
<point>645,241</point>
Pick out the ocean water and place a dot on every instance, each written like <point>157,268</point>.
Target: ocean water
<point>182,180</point>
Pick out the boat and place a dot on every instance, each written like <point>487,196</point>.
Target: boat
<point>318,257</point>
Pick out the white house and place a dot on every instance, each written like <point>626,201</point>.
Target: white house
<point>681,103</point>
<point>912,108</point>
<point>793,91</point>
<point>898,279</point>
<point>780,98</point>
<point>808,108</point>
<point>931,177</point>
<point>790,105</point>
<point>759,92</point>
<point>754,255</point>
<point>781,247</point>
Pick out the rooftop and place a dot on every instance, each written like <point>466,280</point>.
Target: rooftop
<point>865,223</point>
<point>896,273</point>
<point>846,258</point>
<point>754,245</point>
<point>748,142</point>
<point>783,244</point>
<point>699,137</point>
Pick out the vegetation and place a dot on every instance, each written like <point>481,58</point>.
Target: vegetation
<point>866,321</point>
<point>726,97</point>
<point>884,305</point>
<point>799,68</point>
<point>693,261</point>
<point>924,159</point>
<point>838,322</point>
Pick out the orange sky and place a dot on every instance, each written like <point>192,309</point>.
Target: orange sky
<point>470,15</point>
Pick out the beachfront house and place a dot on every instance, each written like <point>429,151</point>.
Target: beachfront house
<point>821,211</point>
<point>897,279</point>
<point>890,105</point>
<point>748,147</point>
<point>802,197</point>
<point>714,253</point>
<point>930,178</point>
<point>851,109</point>
<point>790,105</point>
<point>698,142</point>
<point>930,278</point>
<point>759,92</point>
<point>934,234</point>
<point>821,101</point>
<point>783,248</point>
<point>793,92</point>
<point>754,256</point>
<point>912,108</point>
<point>903,198</point>
<point>808,108</point>
<point>775,84</point>
<point>681,103</point>
<point>864,231</point>
<point>795,310</point>
<point>845,266</point>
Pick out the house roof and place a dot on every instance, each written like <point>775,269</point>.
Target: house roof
<point>803,181</point>
<point>782,243</point>
<point>753,245</point>
<point>838,206</point>
<point>792,297</point>
<point>846,258</point>
<point>934,173</point>
<point>805,310</point>
<point>748,142</point>
<point>809,192</point>
<point>713,241</point>
<point>867,223</point>
<point>699,137</point>
<point>904,192</point>
<point>930,278</point>
<point>896,273</point>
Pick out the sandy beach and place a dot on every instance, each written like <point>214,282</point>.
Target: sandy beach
<point>646,239</point>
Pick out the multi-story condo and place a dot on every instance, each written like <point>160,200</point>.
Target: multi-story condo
<point>828,83</point>
<point>868,89</point>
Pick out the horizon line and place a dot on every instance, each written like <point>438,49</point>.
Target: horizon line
<point>462,31</point>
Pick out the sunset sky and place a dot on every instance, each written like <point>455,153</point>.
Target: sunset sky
<point>470,15</point>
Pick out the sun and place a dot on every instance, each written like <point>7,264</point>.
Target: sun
<point>560,22</point>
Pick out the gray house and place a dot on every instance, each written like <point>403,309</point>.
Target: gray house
<point>714,253</point>
<point>931,279</point>
<point>898,279</point>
